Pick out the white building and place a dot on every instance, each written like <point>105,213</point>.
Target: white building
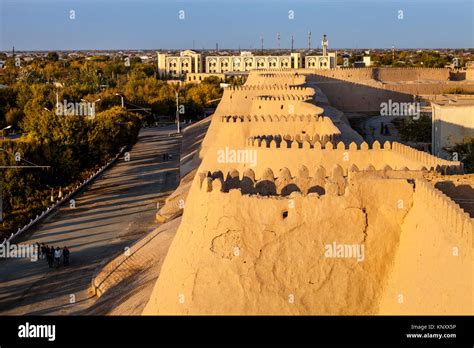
<point>246,61</point>
<point>452,123</point>
<point>178,66</point>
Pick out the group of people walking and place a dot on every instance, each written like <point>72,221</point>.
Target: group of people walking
<point>54,256</point>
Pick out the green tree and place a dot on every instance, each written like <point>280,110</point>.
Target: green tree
<point>415,130</point>
<point>52,56</point>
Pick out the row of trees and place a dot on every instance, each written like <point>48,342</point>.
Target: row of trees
<point>425,58</point>
<point>72,146</point>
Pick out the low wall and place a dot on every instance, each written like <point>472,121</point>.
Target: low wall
<point>149,250</point>
<point>411,74</point>
<point>192,138</point>
<point>381,74</point>
<point>432,271</point>
<point>350,96</point>
<point>430,87</point>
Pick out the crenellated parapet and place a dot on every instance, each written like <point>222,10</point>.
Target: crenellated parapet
<point>272,87</point>
<point>455,221</point>
<point>287,97</point>
<point>329,142</point>
<point>274,118</point>
<point>318,182</point>
<point>313,142</point>
<point>431,162</point>
<point>288,141</point>
<point>277,74</point>
<point>270,70</point>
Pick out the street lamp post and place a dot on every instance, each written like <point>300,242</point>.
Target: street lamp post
<point>121,97</point>
<point>177,110</point>
<point>95,101</point>
<point>4,129</point>
<point>91,110</point>
<point>176,91</point>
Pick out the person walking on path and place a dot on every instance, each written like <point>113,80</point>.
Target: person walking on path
<point>42,251</point>
<point>65,256</point>
<point>38,249</point>
<point>50,256</point>
<point>57,257</point>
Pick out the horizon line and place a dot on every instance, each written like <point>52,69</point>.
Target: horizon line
<point>235,49</point>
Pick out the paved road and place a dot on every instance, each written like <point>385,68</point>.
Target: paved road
<point>111,214</point>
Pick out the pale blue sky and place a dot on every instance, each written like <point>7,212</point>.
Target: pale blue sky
<point>148,24</point>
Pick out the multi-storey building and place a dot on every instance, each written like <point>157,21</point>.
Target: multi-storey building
<point>178,66</point>
<point>246,61</point>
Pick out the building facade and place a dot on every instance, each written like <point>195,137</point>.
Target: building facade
<point>452,123</point>
<point>246,61</point>
<point>325,61</point>
<point>328,61</point>
<point>178,66</point>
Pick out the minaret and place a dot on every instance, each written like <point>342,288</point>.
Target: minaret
<point>278,40</point>
<point>325,45</point>
<point>309,41</point>
<point>292,40</point>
